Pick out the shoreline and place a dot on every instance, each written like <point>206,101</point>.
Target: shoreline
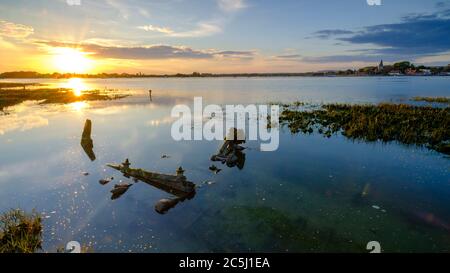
<point>230,76</point>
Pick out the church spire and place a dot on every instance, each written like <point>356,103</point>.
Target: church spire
<point>381,66</point>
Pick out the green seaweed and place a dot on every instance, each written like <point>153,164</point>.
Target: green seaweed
<point>411,125</point>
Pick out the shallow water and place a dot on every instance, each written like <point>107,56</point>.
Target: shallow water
<point>312,194</point>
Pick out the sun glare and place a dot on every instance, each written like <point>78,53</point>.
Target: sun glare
<point>79,106</point>
<point>71,60</point>
<point>77,85</point>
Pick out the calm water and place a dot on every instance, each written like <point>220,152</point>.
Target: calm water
<point>312,194</point>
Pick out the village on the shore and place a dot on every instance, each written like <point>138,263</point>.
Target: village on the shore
<point>403,69</point>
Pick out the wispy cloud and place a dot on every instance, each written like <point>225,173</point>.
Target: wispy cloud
<point>153,28</point>
<point>289,56</point>
<point>236,53</point>
<point>120,7</point>
<point>231,5</point>
<point>441,4</point>
<point>73,2</point>
<point>344,59</point>
<point>241,55</point>
<point>201,30</point>
<point>13,30</point>
<point>328,33</point>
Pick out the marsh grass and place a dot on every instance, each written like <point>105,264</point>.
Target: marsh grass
<point>407,124</point>
<point>11,97</point>
<point>20,232</point>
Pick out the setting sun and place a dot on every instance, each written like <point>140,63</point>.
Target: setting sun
<point>71,60</point>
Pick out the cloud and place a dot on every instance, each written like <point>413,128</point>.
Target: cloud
<point>73,2</point>
<point>417,35</point>
<point>203,29</point>
<point>441,4</point>
<point>343,59</point>
<point>231,5</point>
<point>146,52</point>
<point>327,33</point>
<point>413,36</point>
<point>151,52</point>
<point>236,54</point>
<point>291,56</point>
<point>153,28</point>
<point>13,30</point>
<point>122,8</point>
<point>6,44</point>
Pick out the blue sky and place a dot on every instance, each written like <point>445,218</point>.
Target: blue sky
<point>166,36</point>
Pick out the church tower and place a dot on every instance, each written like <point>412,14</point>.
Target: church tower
<point>381,66</point>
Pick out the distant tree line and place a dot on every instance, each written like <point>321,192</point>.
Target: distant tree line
<point>404,67</point>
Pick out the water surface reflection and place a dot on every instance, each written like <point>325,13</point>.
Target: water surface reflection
<point>313,194</point>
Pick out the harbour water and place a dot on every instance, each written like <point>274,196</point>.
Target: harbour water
<point>313,194</point>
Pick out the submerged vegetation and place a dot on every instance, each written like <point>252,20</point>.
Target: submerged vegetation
<point>268,229</point>
<point>430,99</point>
<point>20,232</point>
<point>407,124</point>
<point>10,97</point>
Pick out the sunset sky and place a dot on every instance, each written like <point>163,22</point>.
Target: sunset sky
<point>219,36</point>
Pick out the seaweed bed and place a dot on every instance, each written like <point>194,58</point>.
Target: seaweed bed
<point>20,232</point>
<point>10,97</point>
<point>411,125</point>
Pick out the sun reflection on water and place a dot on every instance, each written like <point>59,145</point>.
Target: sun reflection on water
<point>77,85</point>
<point>79,106</point>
